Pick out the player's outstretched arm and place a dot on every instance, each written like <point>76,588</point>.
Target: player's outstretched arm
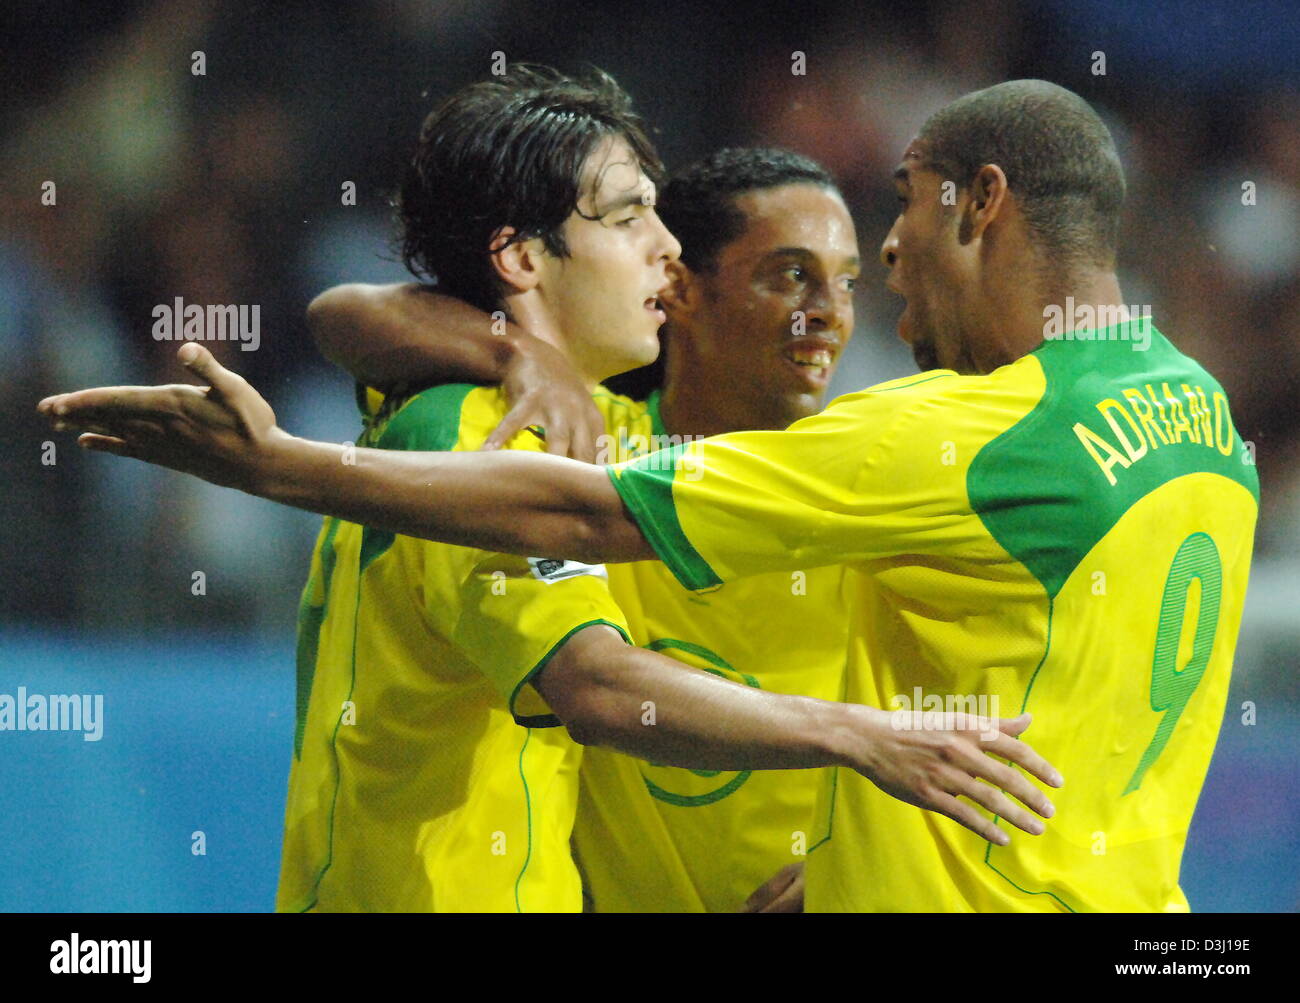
<point>650,706</point>
<point>391,335</point>
<point>508,502</point>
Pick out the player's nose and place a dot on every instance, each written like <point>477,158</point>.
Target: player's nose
<point>827,308</point>
<point>667,247</point>
<point>889,249</point>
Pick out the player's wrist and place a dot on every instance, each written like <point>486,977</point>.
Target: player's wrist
<point>516,346</point>
<point>852,735</point>
<point>271,466</point>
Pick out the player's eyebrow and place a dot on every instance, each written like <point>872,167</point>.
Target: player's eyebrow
<point>629,199</point>
<point>807,255</point>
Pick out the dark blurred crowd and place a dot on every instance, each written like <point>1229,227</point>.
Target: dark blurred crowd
<point>226,188</point>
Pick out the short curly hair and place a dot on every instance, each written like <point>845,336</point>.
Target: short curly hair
<point>699,202</point>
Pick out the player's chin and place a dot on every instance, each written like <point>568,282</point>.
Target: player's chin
<point>641,348</point>
<point>925,354</point>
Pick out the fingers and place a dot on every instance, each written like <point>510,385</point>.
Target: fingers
<point>108,403</point>
<point>789,899</point>
<point>775,894</point>
<point>120,424</point>
<point>515,421</point>
<point>582,446</point>
<point>227,387</point>
<point>199,361</point>
<point>969,816</point>
<point>1024,755</point>
<point>1014,726</point>
<point>1015,784</point>
<point>999,804</point>
<point>105,444</point>
<point>558,439</point>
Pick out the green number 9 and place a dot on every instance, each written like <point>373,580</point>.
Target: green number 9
<point>1197,557</point>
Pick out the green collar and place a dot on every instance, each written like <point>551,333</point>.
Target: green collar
<point>656,419</point>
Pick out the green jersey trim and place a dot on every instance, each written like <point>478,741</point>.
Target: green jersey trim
<point>426,422</point>
<point>1034,486</point>
<point>334,798</point>
<point>310,620</point>
<point>647,490</point>
<point>656,416</point>
<point>550,720</point>
<point>528,814</point>
<point>1047,647</point>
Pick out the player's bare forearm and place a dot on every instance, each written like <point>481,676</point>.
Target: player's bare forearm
<point>407,333</point>
<point>509,502</point>
<point>225,433</point>
<point>647,705</point>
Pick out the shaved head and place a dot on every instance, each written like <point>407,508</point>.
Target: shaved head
<point>1058,157</point>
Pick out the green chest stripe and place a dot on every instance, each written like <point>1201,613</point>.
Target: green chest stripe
<point>427,422</point>
<point>1112,426</point>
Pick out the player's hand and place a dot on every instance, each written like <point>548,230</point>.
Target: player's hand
<point>931,759</point>
<point>782,892</point>
<point>544,390</point>
<point>218,432</point>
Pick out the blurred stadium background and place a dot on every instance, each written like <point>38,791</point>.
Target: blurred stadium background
<point>225,188</point>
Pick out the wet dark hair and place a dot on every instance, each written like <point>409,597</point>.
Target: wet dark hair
<point>1058,156</point>
<point>507,151</point>
<point>699,206</point>
<point>699,202</point>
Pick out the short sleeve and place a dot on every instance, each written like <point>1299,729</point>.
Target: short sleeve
<point>515,613</point>
<point>507,615</point>
<point>865,478</point>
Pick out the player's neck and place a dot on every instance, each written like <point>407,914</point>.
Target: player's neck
<point>531,313</point>
<point>693,404</point>
<point>1017,322</point>
<point>688,411</point>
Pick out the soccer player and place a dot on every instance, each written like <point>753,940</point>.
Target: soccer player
<point>758,313</point>
<point>427,776</point>
<point>1057,511</point>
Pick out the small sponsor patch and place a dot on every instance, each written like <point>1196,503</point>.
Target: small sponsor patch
<point>552,569</point>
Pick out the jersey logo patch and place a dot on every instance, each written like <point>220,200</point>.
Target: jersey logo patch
<point>551,569</point>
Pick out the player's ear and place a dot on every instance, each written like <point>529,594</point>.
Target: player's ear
<point>682,294</point>
<point>515,261</point>
<point>987,199</point>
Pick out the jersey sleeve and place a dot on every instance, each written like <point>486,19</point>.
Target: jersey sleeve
<point>508,615</point>
<point>872,475</point>
<point>515,613</point>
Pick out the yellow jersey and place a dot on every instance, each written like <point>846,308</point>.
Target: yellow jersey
<point>1069,535</point>
<point>653,838</point>
<point>426,775</point>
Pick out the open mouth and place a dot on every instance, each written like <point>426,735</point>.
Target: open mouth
<point>814,360</point>
<point>655,307</point>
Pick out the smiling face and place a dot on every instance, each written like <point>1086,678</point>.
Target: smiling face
<point>771,319</point>
<point>603,296</point>
<point>928,265</point>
